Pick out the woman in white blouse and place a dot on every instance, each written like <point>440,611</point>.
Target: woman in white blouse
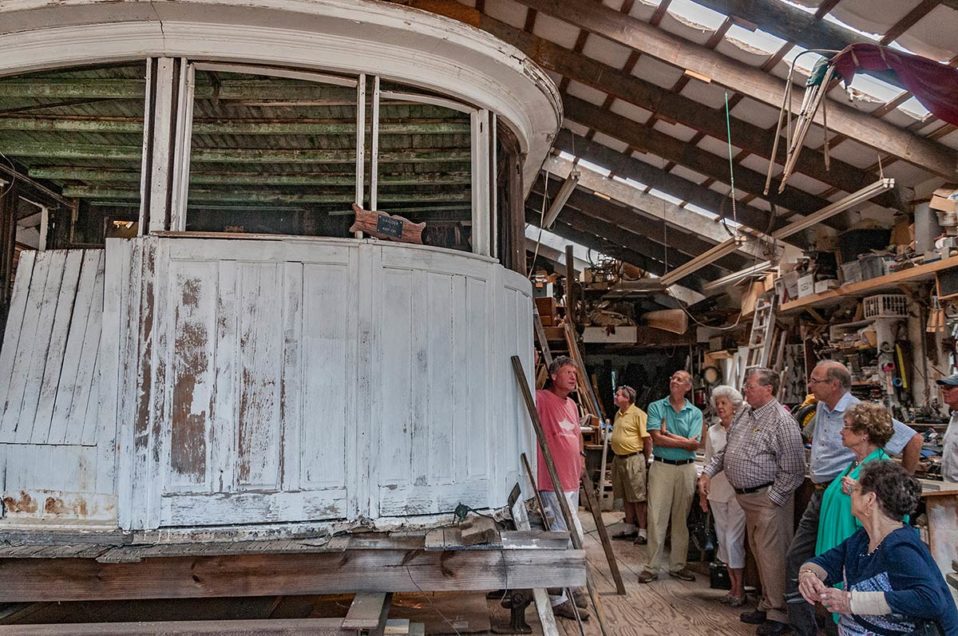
<point>729,517</point>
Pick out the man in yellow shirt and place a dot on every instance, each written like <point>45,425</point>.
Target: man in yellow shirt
<point>632,446</point>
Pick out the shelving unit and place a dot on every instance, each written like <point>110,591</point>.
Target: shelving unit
<point>871,286</point>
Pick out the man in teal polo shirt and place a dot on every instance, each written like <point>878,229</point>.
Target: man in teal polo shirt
<point>676,428</point>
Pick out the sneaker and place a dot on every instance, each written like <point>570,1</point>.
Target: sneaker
<point>646,576</point>
<point>772,628</point>
<point>684,574</point>
<point>756,617</point>
<point>640,540</point>
<point>565,610</point>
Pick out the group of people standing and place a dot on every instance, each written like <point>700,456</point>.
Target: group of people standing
<point>853,550</point>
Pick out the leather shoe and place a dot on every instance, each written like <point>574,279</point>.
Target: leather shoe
<point>580,598</point>
<point>646,576</point>
<point>772,628</point>
<point>625,535</point>
<point>756,617</point>
<point>565,610</point>
<point>683,575</point>
<point>640,540</point>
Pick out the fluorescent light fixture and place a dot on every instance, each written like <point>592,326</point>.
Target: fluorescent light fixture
<point>559,202</point>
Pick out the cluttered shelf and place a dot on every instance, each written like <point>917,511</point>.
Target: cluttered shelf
<point>872,285</point>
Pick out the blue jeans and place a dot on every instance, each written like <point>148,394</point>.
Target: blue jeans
<point>801,614</point>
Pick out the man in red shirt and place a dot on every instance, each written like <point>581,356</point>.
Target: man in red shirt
<point>563,435</point>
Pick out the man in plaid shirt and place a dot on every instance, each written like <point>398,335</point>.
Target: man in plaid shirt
<point>764,461</point>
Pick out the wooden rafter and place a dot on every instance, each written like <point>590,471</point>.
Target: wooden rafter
<point>676,107</point>
<point>673,149</point>
<point>674,185</point>
<point>750,81</point>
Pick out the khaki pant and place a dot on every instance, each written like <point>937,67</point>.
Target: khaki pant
<point>671,489</point>
<point>770,529</point>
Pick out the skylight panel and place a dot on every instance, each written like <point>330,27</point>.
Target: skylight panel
<point>913,107</point>
<point>875,88</point>
<point>665,195</point>
<point>696,14</point>
<point>757,39</point>
<point>805,63</point>
<point>871,36</point>
<point>605,172</point>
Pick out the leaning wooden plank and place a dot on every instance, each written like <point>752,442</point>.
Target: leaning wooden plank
<point>266,574</point>
<point>33,297</point>
<point>367,611</point>
<point>56,352</point>
<point>543,603</point>
<point>11,337</point>
<point>250,627</point>
<point>73,354</point>
<point>41,344</point>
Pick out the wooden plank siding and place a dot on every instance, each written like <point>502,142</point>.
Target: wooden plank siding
<point>291,381</point>
<point>50,387</point>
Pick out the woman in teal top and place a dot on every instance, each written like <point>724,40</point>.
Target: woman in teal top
<point>867,429</point>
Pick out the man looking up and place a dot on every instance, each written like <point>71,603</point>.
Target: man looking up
<point>632,446</point>
<point>675,426</point>
<point>764,461</point>
<point>563,436</point>
<point>949,450</point>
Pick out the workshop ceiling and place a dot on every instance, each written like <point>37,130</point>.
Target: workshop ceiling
<point>645,87</point>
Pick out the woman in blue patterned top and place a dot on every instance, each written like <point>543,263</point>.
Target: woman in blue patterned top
<point>892,584</point>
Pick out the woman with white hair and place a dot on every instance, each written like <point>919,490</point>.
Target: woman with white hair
<point>729,516</point>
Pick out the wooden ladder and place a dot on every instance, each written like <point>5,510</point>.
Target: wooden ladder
<point>761,338</point>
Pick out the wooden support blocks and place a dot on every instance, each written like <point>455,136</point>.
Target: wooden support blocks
<point>479,530</point>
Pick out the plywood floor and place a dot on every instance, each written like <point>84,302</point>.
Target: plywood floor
<point>666,606</point>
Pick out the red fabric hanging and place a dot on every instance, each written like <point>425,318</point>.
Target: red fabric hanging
<point>935,85</point>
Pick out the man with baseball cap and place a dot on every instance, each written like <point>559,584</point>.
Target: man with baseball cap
<point>949,446</point>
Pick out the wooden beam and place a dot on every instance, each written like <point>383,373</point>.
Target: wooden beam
<point>266,574</point>
<point>591,218</point>
<point>673,149</point>
<point>241,627</point>
<point>681,245</point>
<point>751,82</point>
<point>318,179</point>
<point>794,25</point>
<point>693,232</point>
<point>66,150</point>
<point>678,108</point>
<point>264,195</point>
<point>132,125</point>
<point>674,185</point>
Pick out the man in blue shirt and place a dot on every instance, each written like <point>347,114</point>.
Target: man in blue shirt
<point>830,382</point>
<point>676,429</point>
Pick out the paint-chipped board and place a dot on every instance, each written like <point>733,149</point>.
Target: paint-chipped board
<point>57,506</point>
<point>60,330</point>
<point>87,309</point>
<point>89,376</point>
<point>406,499</point>
<point>213,509</point>
<point>48,467</point>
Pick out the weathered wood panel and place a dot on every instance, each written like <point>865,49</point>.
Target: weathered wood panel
<point>308,380</point>
<point>51,386</point>
<point>50,349</point>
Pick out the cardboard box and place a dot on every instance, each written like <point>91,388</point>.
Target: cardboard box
<point>945,198</point>
<point>546,307</point>
<point>751,295</point>
<point>825,285</point>
<point>790,279</point>
<point>806,285</point>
